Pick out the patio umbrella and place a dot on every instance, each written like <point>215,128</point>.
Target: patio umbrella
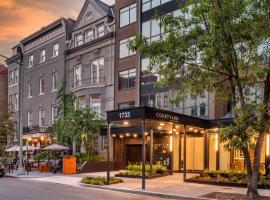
<point>55,147</point>
<point>29,148</point>
<point>13,149</point>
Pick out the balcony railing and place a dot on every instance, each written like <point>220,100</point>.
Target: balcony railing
<point>89,82</point>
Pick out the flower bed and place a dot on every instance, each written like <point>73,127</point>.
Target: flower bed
<point>100,180</point>
<point>135,171</point>
<point>227,178</point>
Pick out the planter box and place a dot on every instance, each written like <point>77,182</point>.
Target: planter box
<point>213,182</point>
<point>139,177</point>
<point>95,166</point>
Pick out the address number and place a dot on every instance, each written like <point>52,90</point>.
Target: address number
<point>124,115</point>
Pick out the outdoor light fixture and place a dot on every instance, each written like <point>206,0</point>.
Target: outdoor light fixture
<point>127,134</point>
<point>135,135</point>
<point>177,126</point>
<point>159,128</point>
<point>121,136</point>
<point>202,131</point>
<point>267,144</point>
<point>195,131</point>
<point>145,133</point>
<point>191,129</point>
<point>29,139</point>
<point>216,129</point>
<point>42,138</point>
<point>113,136</point>
<point>126,123</point>
<point>174,130</point>
<point>216,142</point>
<point>171,143</point>
<point>161,124</point>
<point>177,133</point>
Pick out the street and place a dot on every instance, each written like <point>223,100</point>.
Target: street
<point>16,189</point>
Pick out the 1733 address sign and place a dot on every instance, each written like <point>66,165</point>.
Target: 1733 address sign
<point>124,115</point>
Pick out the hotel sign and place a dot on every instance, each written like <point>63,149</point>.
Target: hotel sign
<point>166,117</point>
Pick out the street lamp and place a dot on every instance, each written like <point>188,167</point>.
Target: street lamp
<point>20,168</point>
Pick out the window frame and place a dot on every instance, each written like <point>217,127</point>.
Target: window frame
<point>42,85</point>
<point>127,72</point>
<point>100,32</point>
<point>128,9</point>
<point>54,81</point>
<point>42,57</point>
<point>55,50</point>
<point>41,117</point>
<point>30,61</point>
<point>76,40</point>
<point>77,82</point>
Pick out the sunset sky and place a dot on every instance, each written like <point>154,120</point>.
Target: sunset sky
<point>20,18</point>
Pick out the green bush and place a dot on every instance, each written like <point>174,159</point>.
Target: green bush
<point>82,157</point>
<point>100,180</point>
<point>41,155</point>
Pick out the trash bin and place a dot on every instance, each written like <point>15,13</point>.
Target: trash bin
<point>69,165</point>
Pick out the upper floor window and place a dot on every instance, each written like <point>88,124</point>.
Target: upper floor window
<point>78,40</point>
<point>202,109</point>
<point>31,61</point>
<point>54,113</point>
<point>97,70</point>
<point>124,50</point>
<point>77,76</point>
<point>128,15</point>
<point>89,35</point>
<point>16,76</point>
<point>54,81</point>
<point>42,55</point>
<point>16,102</point>
<point>127,79</point>
<point>41,85</point>
<point>13,77</point>
<point>95,103</point>
<point>29,118</point>
<point>194,111</point>
<point>55,50</point>
<point>100,30</point>
<point>82,101</point>
<point>125,105</point>
<point>41,117</point>
<point>148,4</point>
<point>30,92</point>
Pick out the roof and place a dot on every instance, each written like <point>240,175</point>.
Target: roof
<point>3,70</point>
<point>108,9</point>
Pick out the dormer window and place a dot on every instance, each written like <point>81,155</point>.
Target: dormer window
<point>89,35</point>
<point>79,40</point>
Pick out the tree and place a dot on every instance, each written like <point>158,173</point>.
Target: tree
<point>221,47</point>
<point>80,124</point>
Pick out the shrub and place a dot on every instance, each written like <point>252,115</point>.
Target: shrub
<point>100,180</point>
<point>82,157</point>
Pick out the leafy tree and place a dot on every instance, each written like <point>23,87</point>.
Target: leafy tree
<point>73,124</point>
<point>221,47</point>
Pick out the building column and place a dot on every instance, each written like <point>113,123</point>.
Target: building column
<point>185,153</point>
<point>143,154</point>
<point>217,150</point>
<point>267,155</point>
<point>108,152</point>
<point>151,151</point>
<point>206,150</point>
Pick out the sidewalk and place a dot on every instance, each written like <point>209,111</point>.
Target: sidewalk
<point>171,186</point>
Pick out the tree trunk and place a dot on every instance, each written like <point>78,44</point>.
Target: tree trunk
<point>252,191</point>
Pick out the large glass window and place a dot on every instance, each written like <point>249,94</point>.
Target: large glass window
<point>77,77</point>
<point>31,61</point>
<point>89,35</point>
<point>152,30</point>
<point>97,70</point>
<point>127,79</point>
<point>78,40</point>
<point>128,15</point>
<point>41,85</point>
<point>148,77</point>
<point>124,51</point>
<point>148,4</point>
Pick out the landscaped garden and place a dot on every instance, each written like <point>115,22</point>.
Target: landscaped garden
<point>227,178</point>
<point>135,171</point>
<point>100,180</point>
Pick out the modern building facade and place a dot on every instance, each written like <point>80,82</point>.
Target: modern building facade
<point>90,60</point>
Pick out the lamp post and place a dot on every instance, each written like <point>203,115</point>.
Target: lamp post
<point>20,168</point>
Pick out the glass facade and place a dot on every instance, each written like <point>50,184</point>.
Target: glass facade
<point>149,4</point>
<point>128,15</point>
<point>127,79</point>
<point>124,50</point>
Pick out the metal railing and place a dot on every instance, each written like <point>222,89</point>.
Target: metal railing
<point>89,82</point>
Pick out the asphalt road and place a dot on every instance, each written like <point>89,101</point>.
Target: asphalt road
<point>15,189</point>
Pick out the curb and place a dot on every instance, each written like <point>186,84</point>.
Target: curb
<point>144,193</point>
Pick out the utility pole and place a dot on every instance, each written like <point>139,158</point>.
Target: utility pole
<point>20,168</point>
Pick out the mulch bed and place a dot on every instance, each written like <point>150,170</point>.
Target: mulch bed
<point>230,196</point>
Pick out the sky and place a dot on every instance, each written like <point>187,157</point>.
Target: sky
<point>20,18</point>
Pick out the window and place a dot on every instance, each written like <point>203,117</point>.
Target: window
<point>89,35</point>
<point>54,113</point>
<point>104,142</point>
<point>147,76</point>
<point>77,76</point>
<point>125,105</point>
<point>30,92</point>
<point>31,61</point>
<point>95,103</point>
<point>30,118</point>
<point>152,30</point>
<point>128,15</point>
<point>54,81</point>
<point>100,30</point>
<point>55,50</point>
<point>41,117</point>
<point>202,109</point>
<point>82,102</point>
<point>41,85</point>
<point>16,102</point>
<point>194,111</point>
<point>78,40</point>
<point>42,56</point>
<point>13,77</point>
<point>10,102</point>
<point>97,70</point>
<point>124,51</point>
<point>149,4</point>
<point>127,79</point>
<point>165,100</point>
<point>16,76</point>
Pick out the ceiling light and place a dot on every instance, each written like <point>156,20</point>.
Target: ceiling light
<point>126,123</point>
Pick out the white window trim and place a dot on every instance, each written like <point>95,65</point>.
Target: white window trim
<point>54,89</point>
<point>57,44</point>
<point>41,93</point>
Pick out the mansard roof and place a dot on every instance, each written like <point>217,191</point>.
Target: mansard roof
<point>108,9</point>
